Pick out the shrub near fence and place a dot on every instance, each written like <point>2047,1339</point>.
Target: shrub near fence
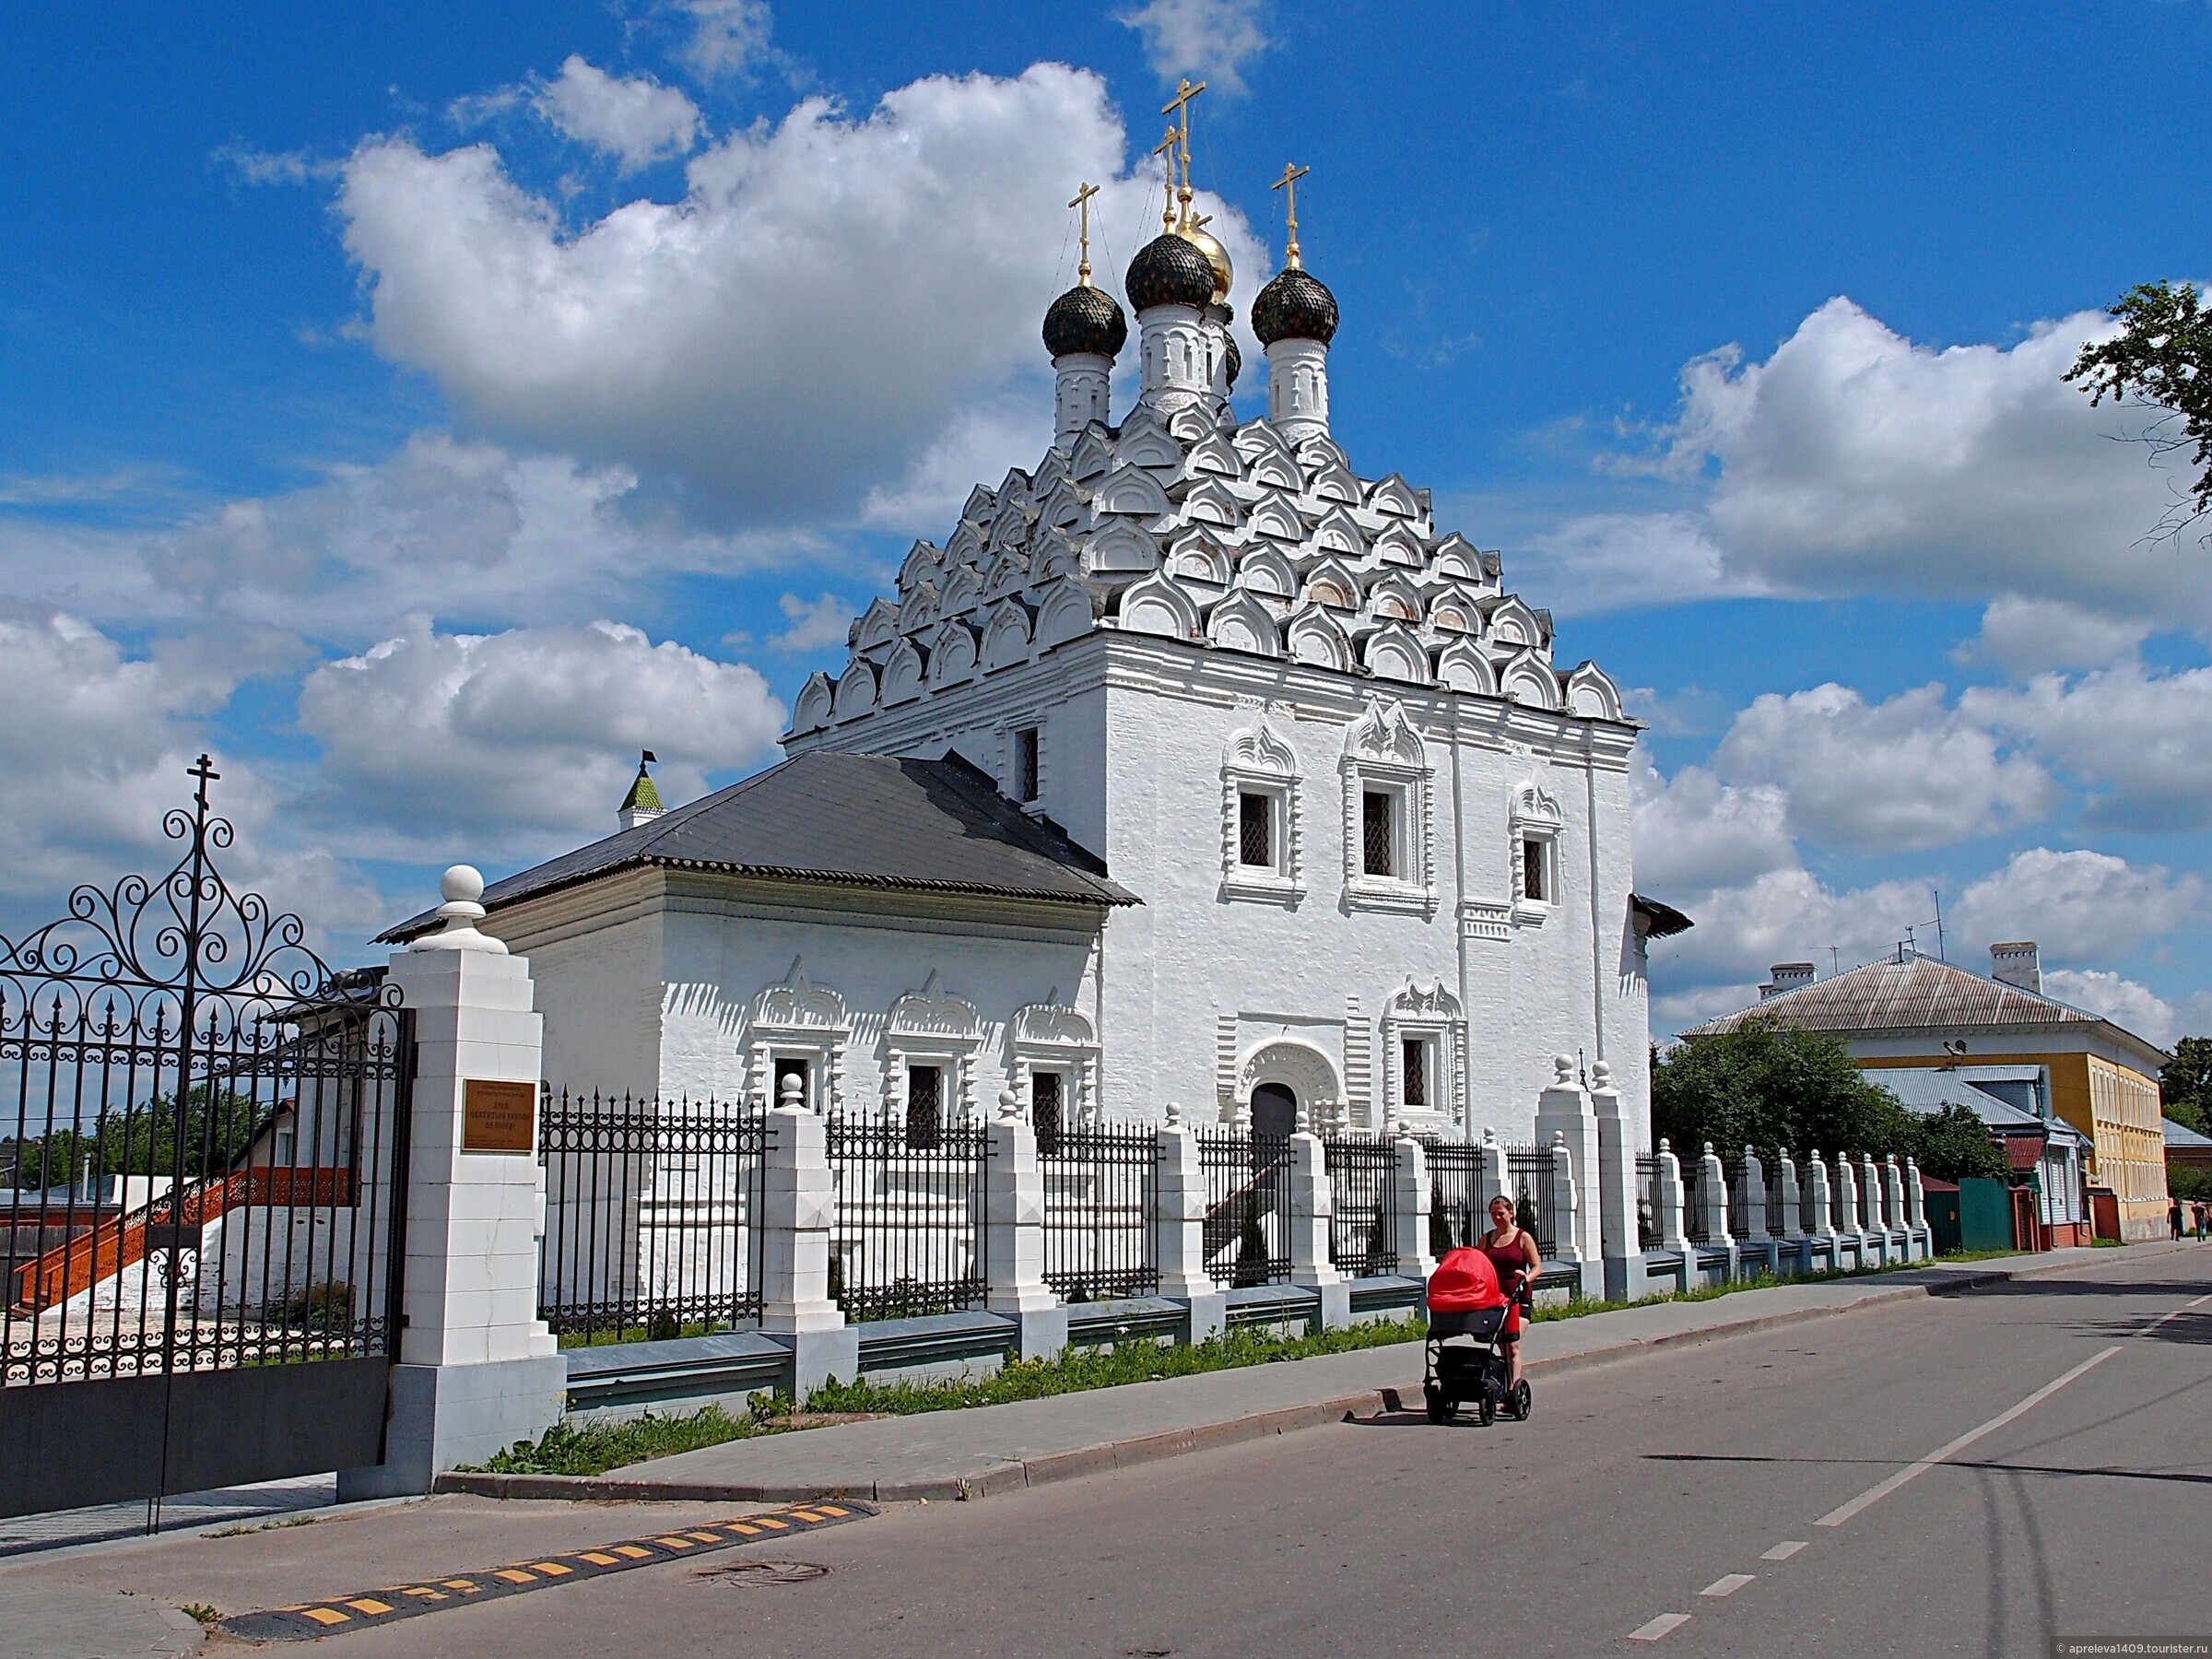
<point>1098,1185</point>
<point>1363,1223</point>
<point>1247,1207</point>
<point>1529,1173</point>
<point>652,1215</point>
<point>1455,1173</point>
<point>909,1234</point>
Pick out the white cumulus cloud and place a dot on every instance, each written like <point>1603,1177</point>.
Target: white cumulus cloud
<point>812,624</point>
<point>2025,636</point>
<point>1894,776</point>
<point>1211,39</point>
<point>2079,906</point>
<point>827,296</point>
<point>497,746</point>
<point>632,118</point>
<point>2138,739</point>
<point>727,37</point>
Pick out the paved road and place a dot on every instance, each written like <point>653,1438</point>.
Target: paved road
<point>1665,1486</point>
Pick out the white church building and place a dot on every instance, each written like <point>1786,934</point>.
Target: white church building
<point>1192,766</point>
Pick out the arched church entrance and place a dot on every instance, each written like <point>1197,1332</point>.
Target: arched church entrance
<point>1274,1110</point>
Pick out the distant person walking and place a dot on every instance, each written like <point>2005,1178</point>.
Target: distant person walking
<point>2173,1217</point>
<point>2204,1215</point>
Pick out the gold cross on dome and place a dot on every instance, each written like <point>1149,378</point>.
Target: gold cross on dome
<point>1082,203</point>
<point>1166,146</point>
<point>1180,106</point>
<point>1288,184</point>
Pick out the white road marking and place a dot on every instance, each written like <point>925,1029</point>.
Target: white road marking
<point>1658,1627</point>
<point>1728,1584</point>
<point>2162,1318</point>
<point>1783,1552</point>
<point>1875,1494</point>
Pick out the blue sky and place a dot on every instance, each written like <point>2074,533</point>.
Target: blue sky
<point>428,407</point>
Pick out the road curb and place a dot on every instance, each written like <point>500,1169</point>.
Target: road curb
<point>1014,1474</point>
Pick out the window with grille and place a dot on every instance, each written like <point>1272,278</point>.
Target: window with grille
<point>1255,829</point>
<point>925,1104</point>
<point>1414,1053</point>
<point>1026,776</point>
<point>1378,841</point>
<point>1535,886</point>
<point>1045,1096</point>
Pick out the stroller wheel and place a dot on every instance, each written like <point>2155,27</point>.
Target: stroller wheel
<point>1523,1402</point>
<point>1439,1409</point>
<point>1486,1410</point>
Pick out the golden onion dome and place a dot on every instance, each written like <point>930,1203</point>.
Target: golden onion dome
<point>1216,255</point>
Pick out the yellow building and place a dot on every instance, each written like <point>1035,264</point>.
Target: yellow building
<point>1914,1010</point>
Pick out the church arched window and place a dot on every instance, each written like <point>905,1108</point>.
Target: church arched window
<point>1262,833</point>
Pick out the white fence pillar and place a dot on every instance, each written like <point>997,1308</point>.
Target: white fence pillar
<point>1893,1203</point>
<point>1410,1188</point>
<point>1712,1196</point>
<point>1490,1180</point>
<point>477,1369</point>
<point>1014,1234</point>
<point>1819,1212</point>
<point>1790,1225</point>
<point>1848,1224</point>
<point>1916,1197</point>
<point>1666,1200</point>
<point>1620,1243</point>
<point>1754,1178</point>
<point>1313,1207</point>
<point>797,1213</point>
<point>1876,1225</point>
<point>1565,1114</point>
<point>1179,1204</point>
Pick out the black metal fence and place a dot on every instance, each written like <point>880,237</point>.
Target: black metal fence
<point>203,1166</point>
<point>1247,1207</point>
<point>1647,1201</point>
<point>1364,1224</point>
<point>1099,1187</point>
<point>909,1235</point>
<point>1530,1178</point>
<point>1454,1193</point>
<point>1694,1226</point>
<point>652,1217</point>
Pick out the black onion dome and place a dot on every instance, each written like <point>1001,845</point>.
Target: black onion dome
<point>1085,319</point>
<point>1169,270</point>
<point>1236,360</point>
<point>1295,306</point>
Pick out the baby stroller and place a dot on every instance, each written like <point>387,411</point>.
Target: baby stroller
<point>1466,1362</point>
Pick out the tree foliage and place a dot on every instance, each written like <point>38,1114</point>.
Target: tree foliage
<point>142,1140</point>
<point>2185,1084</point>
<point>1954,1144</point>
<point>2162,355</point>
<point>1775,1086</point>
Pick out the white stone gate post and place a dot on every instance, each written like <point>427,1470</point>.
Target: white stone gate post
<point>1313,1207</point>
<point>1409,1179</point>
<point>1893,1203</point>
<point>1179,1227</point>
<point>1820,1214</point>
<point>798,1212</point>
<point>478,1370</point>
<point>1847,1206</point>
<point>1564,1114</point>
<point>1620,1242</point>
<point>1666,1200</point>
<point>1014,1226</point>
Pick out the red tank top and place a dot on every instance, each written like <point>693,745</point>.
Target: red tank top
<point>1506,1259</point>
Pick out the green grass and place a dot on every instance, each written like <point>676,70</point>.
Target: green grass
<point>599,1447</point>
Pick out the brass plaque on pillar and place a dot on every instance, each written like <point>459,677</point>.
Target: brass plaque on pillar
<point>498,1117</point>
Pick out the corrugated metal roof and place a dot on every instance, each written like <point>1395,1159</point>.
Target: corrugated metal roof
<point>2181,1137</point>
<point>1918,993</point>
<point>866,820</point>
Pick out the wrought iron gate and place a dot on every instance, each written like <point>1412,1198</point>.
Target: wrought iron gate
<point>203,1167</point>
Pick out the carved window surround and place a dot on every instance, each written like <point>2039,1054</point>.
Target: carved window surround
<point>1051,1037</point>
<point>797,1020</point>
<point>931,1028</point>
<point>1259,761</point>
<point>1383,753</point>
<point>1432,1014</point>
<point>1535,816</point>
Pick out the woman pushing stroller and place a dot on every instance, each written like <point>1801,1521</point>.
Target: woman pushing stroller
<point>1516,1259</point>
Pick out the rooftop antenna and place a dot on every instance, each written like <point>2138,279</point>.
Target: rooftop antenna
<point>1940,954</point>
<point>1835,959</point>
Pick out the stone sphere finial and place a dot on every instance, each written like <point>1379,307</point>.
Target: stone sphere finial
<point>1601,1074</point>
<point>1663,1146</point>
<point>1175,1114</point>
<point>1708,1148</point>
<point>1009,1103</point>
<point>789,1092</point>
<point>1558,1137</point>
<point>1562,1069</point>
<point>462,888</point>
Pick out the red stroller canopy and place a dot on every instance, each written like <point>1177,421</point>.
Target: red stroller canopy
<point>1464,1282</point>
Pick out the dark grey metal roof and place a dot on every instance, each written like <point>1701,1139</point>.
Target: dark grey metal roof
<point>862,821</point>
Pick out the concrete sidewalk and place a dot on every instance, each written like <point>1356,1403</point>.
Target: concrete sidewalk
<point>973,1453</point>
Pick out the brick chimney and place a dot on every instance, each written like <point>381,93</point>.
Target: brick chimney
<point>1786,976</point>
<point>2017,963</point>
